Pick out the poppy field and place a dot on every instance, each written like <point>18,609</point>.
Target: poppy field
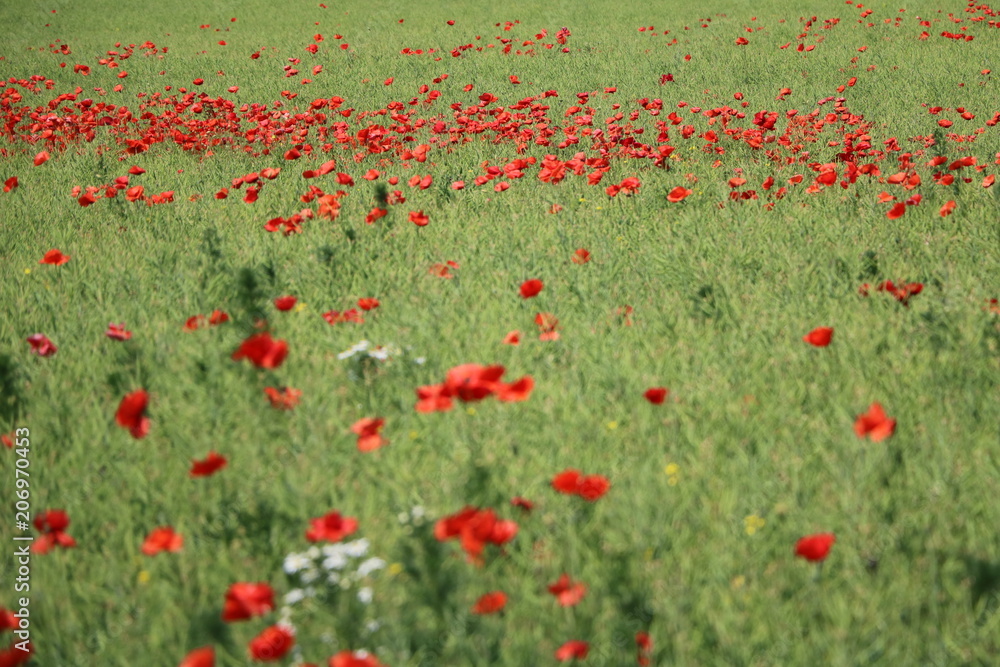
<point>381,334</point>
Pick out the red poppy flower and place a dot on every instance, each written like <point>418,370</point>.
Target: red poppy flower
<point>262,351</point>
<point>54,257</point>
<point>200,657</point>
<point>41,345</point>
<point>367,430</point>
<point>12,656</point>
<point>473,382</point>
<point>12,183</point>
<point>573,650</point>
<point>593,487</point>
<point>490,603</point>
<point>245,600</point>
<point>567,481</point>
<point>218,317</point>
<point>644,643</point>
<point>331,527</point>
<point>547,324</point>
<point>418,218</point>
<point>522,503</point>
<point>678,194</point>
<point>8,439</point>
<point>475,529</point>
<point>52,524</point>
<point>512,338</point>
<point>433,398</point>
<point>947,208</point>
<point>41,158</point>
<point>285,398</point>
<point>515,391</point>
<point>874,424</point>
<point>162,539</point>
<point>285,303</point>
<point>354,659</point>
<point>820,336</point>
<point>656,395</point>
<point>272,644</point>
<point>567,592</point>
<point>132,413</point>
<point>896,211</point>
<point>368,303</point>
<point>815,548</point>
<point>117,331</point>
<point>530,288</point>
<point>581,256</point>
<point>208,466</point>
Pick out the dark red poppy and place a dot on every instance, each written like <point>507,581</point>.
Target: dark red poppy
<point>54,257</point>
<point>368,432</point>
<point>331,527</point>
<point>820,336</point>
<point>530,288</point>
<point>262,351</point>
<point>245,600</point>
<point>272,643</point>
<point>285,398</point>
<point>581,256</point>
<point>200,657</point>
<point>117,332</point>
<point>874,424</point>
<point>162,539</point>
<point>208,466</point>
<point>419,218</point>
<point>656,395</point>
<point>573,650</point>
<point>368,303</point>
<point>475,529</point>
<point>52,524</point>
<point>567,591</point>
<point>10,184</point>
<point>132,413</point>
<point>490,603</point>
<point>41,345</point>
<point>815,548</point>
<point>285,303</point>
<point>354,659</point>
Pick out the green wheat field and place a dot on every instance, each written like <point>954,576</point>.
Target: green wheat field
<point>431,334</point>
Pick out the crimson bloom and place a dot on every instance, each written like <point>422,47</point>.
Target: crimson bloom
<point>285,303</point>
<point>530,288</point>
<point>644,644</point>
<point>512,338</point>
<point>208,466</point>
<point>475,528</point>
<point>331,527</point>
<point>354,659</point>
<point>162,539</point>
<point>368,303</point>
<point>117,332</point>
<point>200,657</point>
<point>54,257</point>
<point>132,413</point>
<point>262,351</point>
<point>656,395</point>
<point>419,218</point>
<point>573,650</point>
<point>588,487</point>
<point>567,591</point>
<point>41,345</point>
<point>820,336</point>
<point>245,600</point>
<point>547,324</point>
<point>272,643</point>
<point>10,184</point>
<point>874,424</point>
<point>41,158</point>
<point>52,524</point>
<point>285,398</point>
<point>490,603</point>
<point>678,194</point>
<point>815,548</point>
<point>367,430</point>
<point>581,256</point>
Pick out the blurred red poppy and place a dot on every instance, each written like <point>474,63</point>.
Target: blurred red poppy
<point>820,336</point>
<point>331,527</point>
<point>132,413</point>
<point>815,548</point>
<point>530,288</point>
<point>874,424</point>
<point>54,257</point>
<point>245,600</point>
<point>573,650</point>
<point>208,466</point>
<point>262,351</point>
<point>162,539</point>
<point>490,603</point>
<point>272,643</point>
<point>567,591</point>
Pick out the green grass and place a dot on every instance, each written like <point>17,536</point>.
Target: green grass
<point>757,422</point>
